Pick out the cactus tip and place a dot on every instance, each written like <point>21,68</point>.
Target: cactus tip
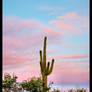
<point>52,59</point>
<point>45,37</point>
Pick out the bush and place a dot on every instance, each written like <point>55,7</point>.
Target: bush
<point>33,85</point>
<point>36,85</point>
<point>8,82</point>
<point>56,90</point>
<point>77,90</point>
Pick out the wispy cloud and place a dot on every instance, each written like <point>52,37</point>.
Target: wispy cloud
<point>66,27</point>
<point>45,8</point>
<point>75,45</point>
<point>22,38</point>
<point>51,10</point>
<point>80,56</point>
<point>72,15</point>
<point>60,72</point>
<point>73,22</point>
<point>56,21</point>
<point>67,73</point>
<point>14,36</point>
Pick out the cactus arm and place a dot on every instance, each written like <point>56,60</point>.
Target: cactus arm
<point>51,68</point>
<point>48,65</point>
<point>47,69</point>
<point>40,55</point>
<point>41,65</point>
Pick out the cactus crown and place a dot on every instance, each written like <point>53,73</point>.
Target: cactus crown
<point>45,69</point>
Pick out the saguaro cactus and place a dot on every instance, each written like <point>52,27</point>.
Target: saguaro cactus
<point>46,69</point>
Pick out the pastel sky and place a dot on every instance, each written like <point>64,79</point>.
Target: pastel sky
<point>66,25</point>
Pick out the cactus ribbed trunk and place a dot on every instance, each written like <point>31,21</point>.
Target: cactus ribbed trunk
<point>45,83</point>
<point>45,70</point>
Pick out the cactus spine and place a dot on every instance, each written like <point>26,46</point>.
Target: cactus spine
<point>46,69</point>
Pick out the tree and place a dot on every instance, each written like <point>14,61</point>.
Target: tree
<point>8,81</point>
<point>33,85</point>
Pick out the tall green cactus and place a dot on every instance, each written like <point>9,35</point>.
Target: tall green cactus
<point>45,69</point>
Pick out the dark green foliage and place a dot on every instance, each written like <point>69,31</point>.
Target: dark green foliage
<point>45,69</point>
<point>33,85</point>
<point>56,90</point>
<point>77,90</point>
<point>8,80</point>
<point>36,85</point>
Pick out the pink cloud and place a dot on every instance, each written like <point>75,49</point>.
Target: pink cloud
<point>62,72</point>
<point>28,74</point>
<point>71,22</point>
<point>18,41</point>
<point>24,72</point>
<point>50,30</point>
<point>72,15</point>
<point>76,47</point>
<point>27,24</point>
<point>21,38</point>
<point>32,28</point>
<point>18,24</point>
<point>12,59</point>
<point>72,56</point>
<point>66,26</point>
<point>21,42</point>
<point>75,44</point>
<point>56,21</point>
<point>70,77</point>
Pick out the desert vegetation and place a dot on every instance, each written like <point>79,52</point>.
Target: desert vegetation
<point>10,84</point>
<point>34,84</point>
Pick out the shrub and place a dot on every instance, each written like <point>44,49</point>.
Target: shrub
<point>77,90</point>
<point>56,90</point>
<point>33,85</point>
<point>8,82</point>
